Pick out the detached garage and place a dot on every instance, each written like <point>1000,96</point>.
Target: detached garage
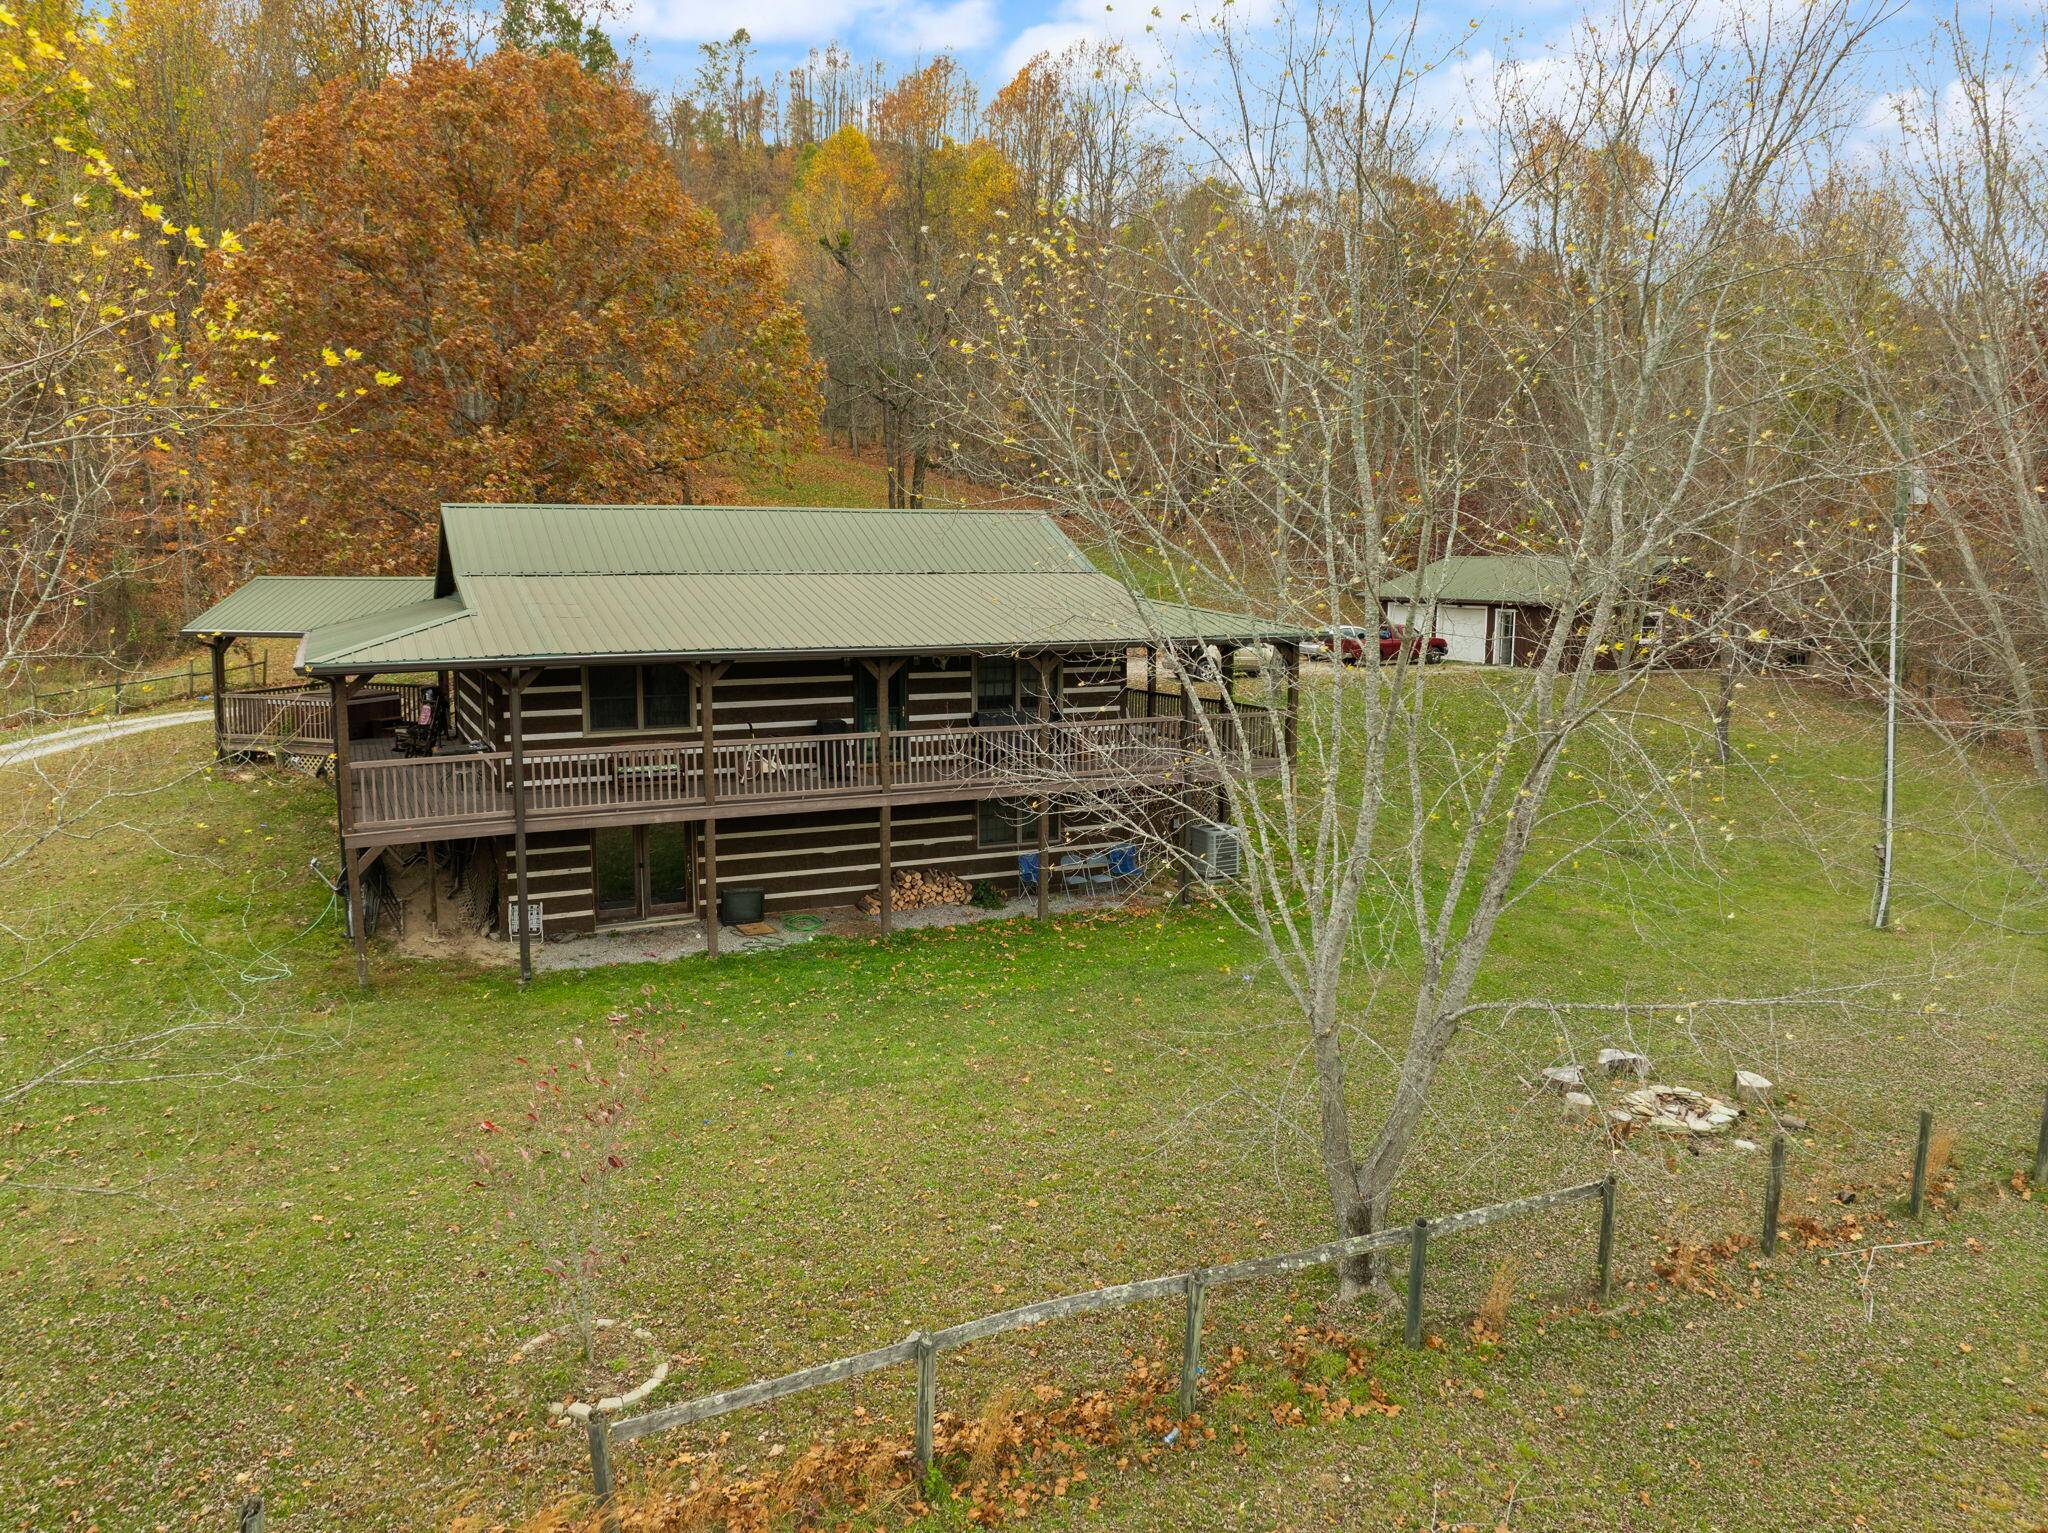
<point>1491,609</point>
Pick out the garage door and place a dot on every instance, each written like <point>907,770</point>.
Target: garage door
<point>1464,630</point>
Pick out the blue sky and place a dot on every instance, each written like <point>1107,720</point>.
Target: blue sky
<point>993,37</point>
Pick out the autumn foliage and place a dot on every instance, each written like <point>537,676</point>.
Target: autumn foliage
<point>551,317</point>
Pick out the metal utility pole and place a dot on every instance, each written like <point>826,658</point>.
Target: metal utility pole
<point>1907,491</point>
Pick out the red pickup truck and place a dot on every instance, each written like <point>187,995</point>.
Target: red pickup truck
<point>1350,645</point>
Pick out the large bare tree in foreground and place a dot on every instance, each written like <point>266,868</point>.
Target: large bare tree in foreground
<point>1351,344</point>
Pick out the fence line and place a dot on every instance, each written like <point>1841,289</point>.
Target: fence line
<point>923,1347</point>
<point>1191,1287</point>
<point>196,680</point>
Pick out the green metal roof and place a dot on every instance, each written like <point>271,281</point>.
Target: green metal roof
<point>1535,580</point>
<point>285,606</point>
<point>576,583</point>
<point>751,540</point>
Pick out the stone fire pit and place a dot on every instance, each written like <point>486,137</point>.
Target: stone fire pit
<point>1676,1110</point>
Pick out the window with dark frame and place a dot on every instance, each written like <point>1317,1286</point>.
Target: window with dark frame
<point>995,683</point>
<point>613,693</point>
<point>1005,824</point>
<point>1003,682</point>
<point>627,699</point>
<point>664,696</point>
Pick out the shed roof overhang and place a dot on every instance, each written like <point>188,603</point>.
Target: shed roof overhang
<point>291,606</point>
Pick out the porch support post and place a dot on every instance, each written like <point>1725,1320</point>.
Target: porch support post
<point>219,645</point>
<point>1151,680</point>
<point>884,672</point>
<point>1046,676</point>
<point>1190,742</point>
<point>339,690</point>
<point>707,674</point>
<point>1291,654</point>
<point>515,686</point>
<point>356,864</point>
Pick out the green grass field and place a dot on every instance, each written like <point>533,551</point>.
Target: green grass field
<point>282,1268</point>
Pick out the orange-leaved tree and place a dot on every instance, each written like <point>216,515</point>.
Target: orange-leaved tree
<point>552,317</point>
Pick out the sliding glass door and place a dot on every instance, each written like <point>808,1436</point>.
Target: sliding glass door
<point>643,871</point>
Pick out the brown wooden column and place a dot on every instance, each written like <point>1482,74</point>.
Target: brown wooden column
<point>884,672</point>
<point>1151,680</point>
<point>515,689</point>
<point>1291,654</point>
<point>1045,684</point>
<point>707,674</point>
<point>339,690</point>
<point>219,645</point>
<point>355,865</point>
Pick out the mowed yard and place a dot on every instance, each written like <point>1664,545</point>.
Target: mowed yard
<point>295,1277</point>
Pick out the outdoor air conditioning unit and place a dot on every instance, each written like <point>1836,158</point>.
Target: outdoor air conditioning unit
<point>1214,851</point>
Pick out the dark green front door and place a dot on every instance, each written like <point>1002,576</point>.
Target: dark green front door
<point>866,716</point>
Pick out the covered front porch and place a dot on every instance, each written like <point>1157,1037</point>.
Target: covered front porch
<point>462,790</point>
<point>729,770</point>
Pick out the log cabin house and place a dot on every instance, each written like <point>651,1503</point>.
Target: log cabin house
<point>649,707</point>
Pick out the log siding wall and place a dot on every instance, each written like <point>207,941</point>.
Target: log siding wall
<point>801,860</point>
<point>763,699</point>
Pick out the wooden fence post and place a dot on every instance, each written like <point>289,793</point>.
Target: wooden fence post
<point>1606,1273</point>
<point>250,1518</point>
<point>2041,1149</point>
<point>1774,1190</point>
<point>927,1399</point>
<point>601,1469</point>
<point>1418,1254</point>
<point>1920,1162</point>
<point>117,697</point>
<point>1191,1342</point>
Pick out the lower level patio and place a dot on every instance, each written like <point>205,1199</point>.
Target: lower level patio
<point>661,941</point>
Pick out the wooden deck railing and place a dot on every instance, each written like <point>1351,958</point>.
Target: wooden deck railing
<point>473,791</point>
<point>296,717</point>
<point>280,717</point>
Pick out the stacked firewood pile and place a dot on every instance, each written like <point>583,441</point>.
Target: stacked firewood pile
<point>919,891</point>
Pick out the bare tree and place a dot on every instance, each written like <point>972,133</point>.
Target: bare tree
<point>1945,368</point>
<point>567,1150</point>
<point>1313,368</point>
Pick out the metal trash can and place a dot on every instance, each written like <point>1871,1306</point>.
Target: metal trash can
<point>736,907</point>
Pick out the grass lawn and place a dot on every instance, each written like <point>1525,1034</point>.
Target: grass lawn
<point>294,1276</point>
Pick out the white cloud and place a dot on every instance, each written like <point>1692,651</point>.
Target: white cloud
<point>766,21</point>
<point>958,28</point>
<point>1053,37</point>
<point>893,26</point>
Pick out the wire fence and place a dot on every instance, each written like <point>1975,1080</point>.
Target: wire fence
<point>126,693</point>
<point>1192,1287</point>
<point>923,1348</point>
